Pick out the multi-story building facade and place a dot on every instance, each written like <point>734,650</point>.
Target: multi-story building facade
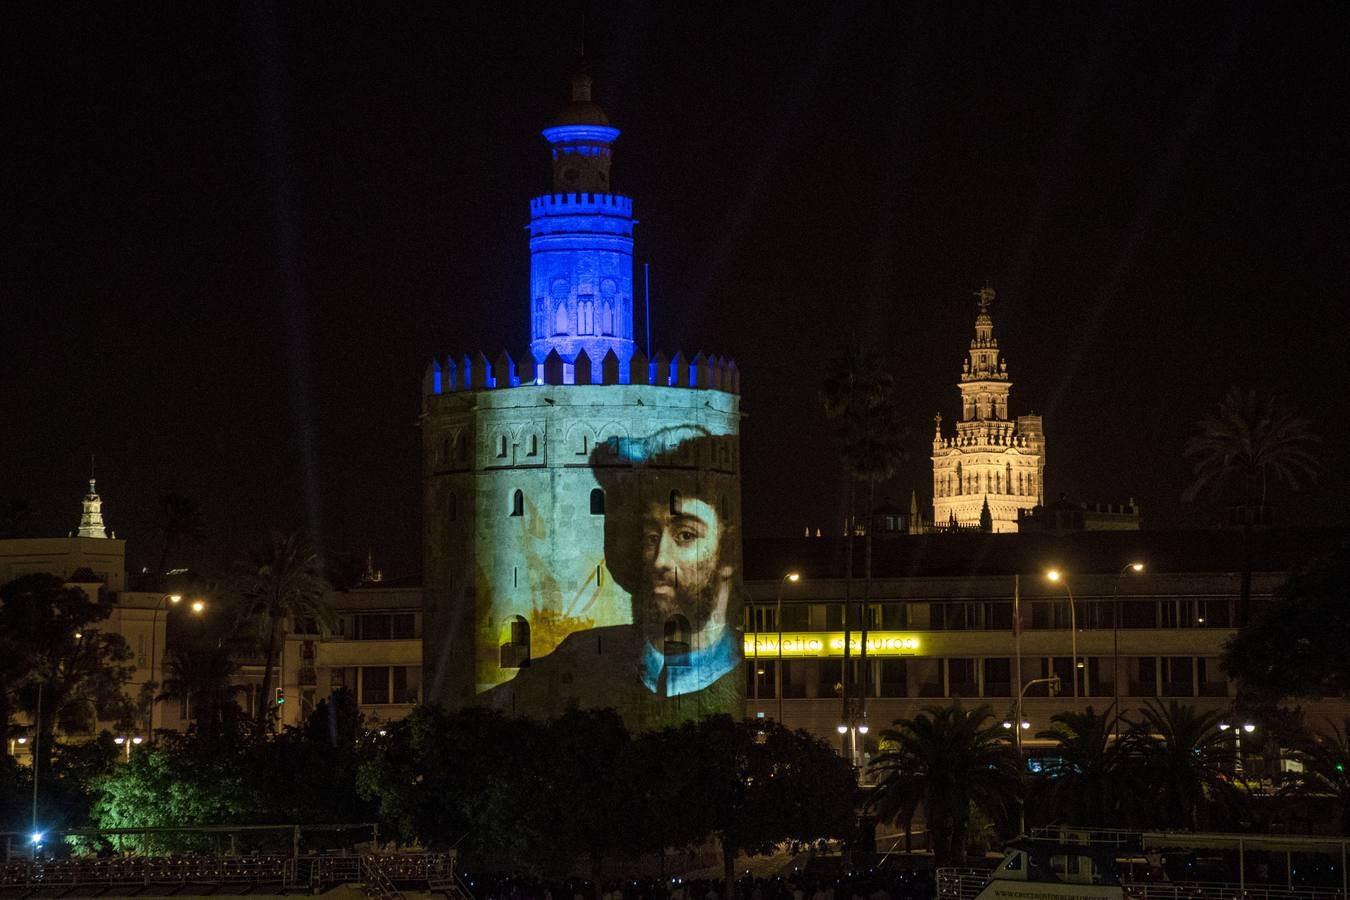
<point>942,620</point>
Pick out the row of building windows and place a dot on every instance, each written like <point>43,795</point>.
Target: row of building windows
<point>997,615</point>
<point>373,685</point>
<point>518,502</point>
<point>391,626</point>
<point>988,677</point>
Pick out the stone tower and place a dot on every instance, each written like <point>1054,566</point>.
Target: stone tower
<point>991,459</point>
<point>540,470</point>
<point>581,244</point>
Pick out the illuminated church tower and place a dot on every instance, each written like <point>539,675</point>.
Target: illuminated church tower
<point>534,465</point>
<point>91,515</point>
<point>992,460</point>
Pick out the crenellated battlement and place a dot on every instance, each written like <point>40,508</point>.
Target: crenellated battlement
<point>574,204</point>
<point>476,372</point>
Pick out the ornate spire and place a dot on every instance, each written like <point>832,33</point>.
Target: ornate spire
<point>372,575</point>
<point>91,519</point>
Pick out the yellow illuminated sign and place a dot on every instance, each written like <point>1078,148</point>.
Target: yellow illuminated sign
<point>831,643</point>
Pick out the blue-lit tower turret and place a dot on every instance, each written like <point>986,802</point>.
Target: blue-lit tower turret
<point>581,244</point>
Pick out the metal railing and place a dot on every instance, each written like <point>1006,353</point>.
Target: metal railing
<point>964,884</point>
<point>958,883</point>
<point>378,874</point>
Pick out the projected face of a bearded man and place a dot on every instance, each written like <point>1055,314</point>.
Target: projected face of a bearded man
<point>683,566</point>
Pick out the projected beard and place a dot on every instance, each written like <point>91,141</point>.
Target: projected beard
<point>683,570</point>
<point>671,544</point>
<point>670,502</point>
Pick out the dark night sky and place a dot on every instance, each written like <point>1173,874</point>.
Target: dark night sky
<point>237,234</point>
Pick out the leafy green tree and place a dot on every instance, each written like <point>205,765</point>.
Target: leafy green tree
<point>1296,646</point>
<point>589,772</point>
<point>281,579</point>
<point>181,781</point>
<point>312,770</point>
<point>1183,760</point>
<point>55,652</point>
<point>756,784</point>
<point>858,396</point>
<point>1325,758</point>
<point>1084,781</point>
<point>953,760</point>
<point>178,521</point>
<point>70,792</point>
<point>465,779</point>
<point>1238,450</point>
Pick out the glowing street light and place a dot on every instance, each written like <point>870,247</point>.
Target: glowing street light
<point>1056,576</point>
<point>1137,568</point>
<point>788,578</point>
<point>127,742</point>
<point>1238,730</point>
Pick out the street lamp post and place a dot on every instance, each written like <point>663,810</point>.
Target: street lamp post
<point>37,741</point>
<point>1018,727</point>
<point>168,602</point>
<point>1248,727</point>
<point>164,603</point>
<point>1058,576</point>
<point>754,652</point>
<point>123,740</point>
<point>1135,567</point>
<point>778,620</point>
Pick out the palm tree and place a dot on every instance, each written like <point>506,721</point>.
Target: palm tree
<point>202,678</point>
<point>1326,766</point>
<point>948,760</point>
<point>1084,778</point>
<point>1244,444</point>
<point>858,395</point>
<point>282,579</point>
<point>1183,759</point>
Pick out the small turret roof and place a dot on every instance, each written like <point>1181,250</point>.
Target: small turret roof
<point>581,109</point>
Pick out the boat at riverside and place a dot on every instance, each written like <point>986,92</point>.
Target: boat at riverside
<point>1065,863</point>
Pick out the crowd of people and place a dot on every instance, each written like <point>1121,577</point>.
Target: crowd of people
<point>880,883</point>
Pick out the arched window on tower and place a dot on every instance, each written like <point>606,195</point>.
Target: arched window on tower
<point>597,502</point>
<point>560,319</point>
<point>517,503</point>
<point>607,318</point>
<point>1008,480</point>
<point>515,647</point>
<point>960,486</point>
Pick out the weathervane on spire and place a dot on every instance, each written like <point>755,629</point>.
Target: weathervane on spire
<point>986,295</point>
